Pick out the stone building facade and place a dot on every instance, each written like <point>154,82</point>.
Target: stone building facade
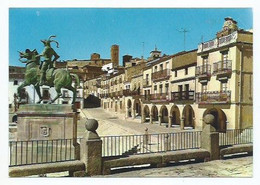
<point>179,89</point>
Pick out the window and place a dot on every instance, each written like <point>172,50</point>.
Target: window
<point>204,64</point>
<point>45,94</point>
<point>166,88</point>
<point>15,82</point>
<point>78,93</point>
<point>160,90</point>
<point>161,67</point>
<point>175,74</point>
<point>167,65</point>
<point>155,89</point>
<point>155,69</point>
<point>180,88</point>
<point>65,102</point>
<point>204,88</point>
<point>121,105</point>
<point>186,71</point>
<point>225,56</point>
<point>65,93</point>
<point>223,87</point>
<point>186,87</point>
<point>205,60</point>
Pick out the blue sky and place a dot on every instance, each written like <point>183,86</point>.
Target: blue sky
<point>82,31</point>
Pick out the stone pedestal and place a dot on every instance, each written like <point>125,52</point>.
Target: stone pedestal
<point>46,122</point>
<point>91,149</point>
<point>210,138</point>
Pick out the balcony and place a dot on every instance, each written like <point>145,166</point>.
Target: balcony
<point>213,97</point>
<point>222,68</point>
<point>128,92</point>
<point>104,96</point>
<point>182,96</point>
<point>104,86</point>
<point>161,75</point>
<point>203,72</point>
<point>159,97</point>
<point>146,83</point>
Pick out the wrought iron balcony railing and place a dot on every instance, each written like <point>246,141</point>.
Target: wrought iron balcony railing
<point>128,92</point>
<point>161,75</point>
<point>182,96</point>
<point>203,71</point>
<point>213,97</point>
<point>160,97</point>
<point>222,67</point>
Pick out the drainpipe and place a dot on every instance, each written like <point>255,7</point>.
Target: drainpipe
<point>241,86</point>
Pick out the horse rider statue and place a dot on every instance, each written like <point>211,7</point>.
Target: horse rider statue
<point>48,53</point>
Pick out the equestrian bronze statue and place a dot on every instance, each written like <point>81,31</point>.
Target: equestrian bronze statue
<point>38,74</point>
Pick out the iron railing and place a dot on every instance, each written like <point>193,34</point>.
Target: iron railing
<point>161,75</point>
<point>236,136</point>
<point>182,95</point>
<point>149,143</point>
<point>160,97</point>
<point>41,151</point>
<point>203,71</point>
<point>222,67</point>
<point>213,97</point>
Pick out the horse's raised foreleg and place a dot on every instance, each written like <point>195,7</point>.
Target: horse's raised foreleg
<point>58,90</point>
<point>37,88</point>
<point>74,93</point>
<point>19,90</point>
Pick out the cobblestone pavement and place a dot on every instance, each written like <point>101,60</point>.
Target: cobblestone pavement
<point>235,167</point>
<point>116,124</point>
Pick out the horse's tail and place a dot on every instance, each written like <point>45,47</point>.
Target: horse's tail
<point>77,83</point>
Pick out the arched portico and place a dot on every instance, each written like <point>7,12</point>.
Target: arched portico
<point>146,114</point>
<point>220,119</point>
<point>174,116</point>
<point>164,115</point>
<point>188,116</point>
<point>154,113</point>
<point>137,108</point>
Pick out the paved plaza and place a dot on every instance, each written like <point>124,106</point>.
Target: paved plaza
<point>235,167</point>
<point>115,124</point>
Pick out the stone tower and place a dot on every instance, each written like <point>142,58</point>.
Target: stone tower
<point>115,55</point>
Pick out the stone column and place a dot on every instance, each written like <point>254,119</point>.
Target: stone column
<point>133,114</point>
<point>210,138</point>
<point>91,149</point>
<point>151,119</point>
<point>169,121</point>
<point>160,119</point>
<point>143,117</point>
<point>182,123</point>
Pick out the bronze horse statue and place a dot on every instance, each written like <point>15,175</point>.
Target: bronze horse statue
<point>57,78</point>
